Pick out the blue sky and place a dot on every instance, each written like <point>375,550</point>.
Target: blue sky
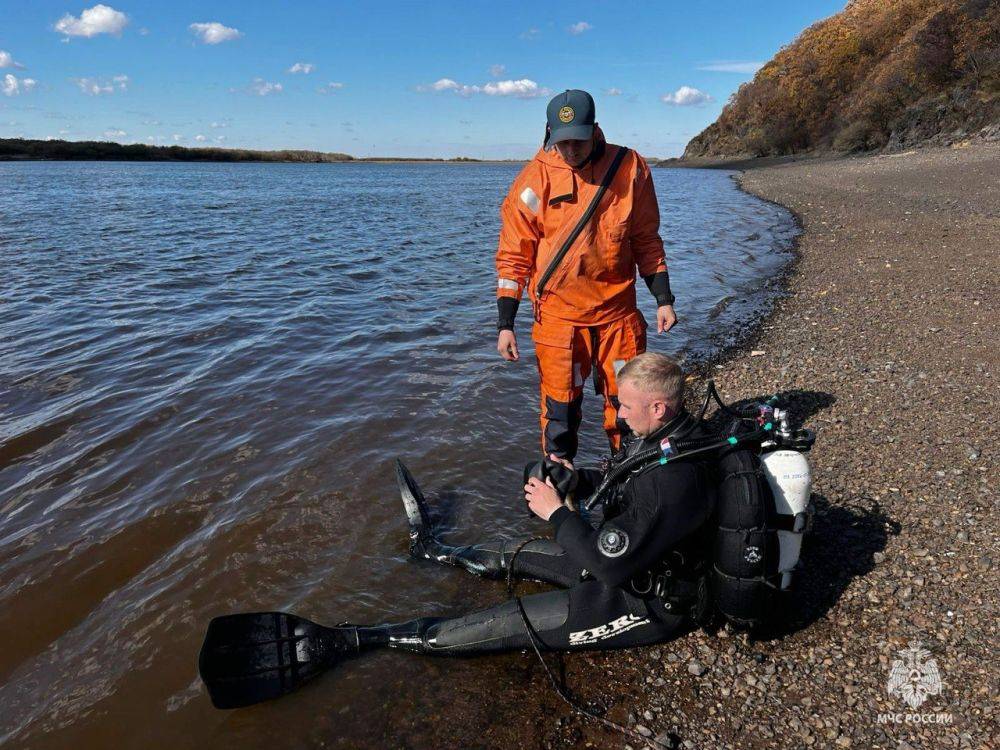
<point>389,78</point>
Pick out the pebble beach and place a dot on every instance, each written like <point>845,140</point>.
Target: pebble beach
<point>886,345</point>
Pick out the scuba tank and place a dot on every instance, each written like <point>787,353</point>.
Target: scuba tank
<point>790,478</point>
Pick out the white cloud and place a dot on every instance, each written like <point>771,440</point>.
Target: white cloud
<point>531,34</point>
<point>444,84</point>
<point>114,133</point>
<point>219,125</point>
<point>613,92</point>
<point>686,96</point>
<point>11,85</point>
<point>260,87</point>
<point>214,32</point>
<point>497,70</point>
<point>177,137</point>
<point>578,28</point>
<point>101,19</point>
<point>99,86</point>
<point>524,88</point>
<point>330,87</point>
<point>732,66</point>
<point>200,138</point>
<point>7,60</point>
<point>306,68</point>
<point>220,138</point>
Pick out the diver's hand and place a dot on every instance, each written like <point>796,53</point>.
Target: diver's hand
<point>665,318</point>
<point>543,500</point>
<point>507,345</point>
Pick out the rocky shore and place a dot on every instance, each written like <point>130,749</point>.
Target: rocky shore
<point>886,344</point>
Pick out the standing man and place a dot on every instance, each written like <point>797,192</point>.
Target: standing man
<point>577,223</point>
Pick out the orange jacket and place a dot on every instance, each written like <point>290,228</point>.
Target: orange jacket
<point>595,281</point>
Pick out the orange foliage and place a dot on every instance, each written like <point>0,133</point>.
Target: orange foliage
<point>861,77</point>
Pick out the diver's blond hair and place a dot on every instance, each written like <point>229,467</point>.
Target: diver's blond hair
<point>656,374</point>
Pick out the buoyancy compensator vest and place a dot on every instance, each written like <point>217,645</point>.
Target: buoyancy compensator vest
<point>762,511</point>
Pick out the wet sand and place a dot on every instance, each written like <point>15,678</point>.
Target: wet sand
<point>887,345</point>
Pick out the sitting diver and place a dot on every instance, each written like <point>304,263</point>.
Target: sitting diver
<point>636,579</point>
<point>629,582</point>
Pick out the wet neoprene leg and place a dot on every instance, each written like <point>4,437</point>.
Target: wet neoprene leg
<point>541,559</point>
<point>589,615</point>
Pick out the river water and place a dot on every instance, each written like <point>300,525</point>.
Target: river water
<point>206,371</point>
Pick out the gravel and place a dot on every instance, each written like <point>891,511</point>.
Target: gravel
<point>886,345</point>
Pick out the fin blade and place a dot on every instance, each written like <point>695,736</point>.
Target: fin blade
<point>413,499</point>
<point>254,657</point>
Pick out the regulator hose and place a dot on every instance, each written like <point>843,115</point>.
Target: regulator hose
<point>655,456</point>
<point>560,690</point>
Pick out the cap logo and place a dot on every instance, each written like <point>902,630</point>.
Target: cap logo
<point>566,114</point>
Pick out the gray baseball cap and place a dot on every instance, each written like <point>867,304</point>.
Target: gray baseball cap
<point>570,117</point>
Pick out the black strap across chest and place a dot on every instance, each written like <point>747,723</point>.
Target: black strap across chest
<point>584,220</point>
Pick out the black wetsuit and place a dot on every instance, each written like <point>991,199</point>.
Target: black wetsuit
<point>654,521</point>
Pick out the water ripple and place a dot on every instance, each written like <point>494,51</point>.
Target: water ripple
<point>205,374</point>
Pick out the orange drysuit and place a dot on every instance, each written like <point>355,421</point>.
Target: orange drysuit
<point>585,318</point>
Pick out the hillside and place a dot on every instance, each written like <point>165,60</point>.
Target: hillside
<point>880,74</point>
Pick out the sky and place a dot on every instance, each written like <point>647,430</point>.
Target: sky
<point>394,78</point>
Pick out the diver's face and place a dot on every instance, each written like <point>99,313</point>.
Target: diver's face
<point>574,152</point>
<point>643,412</point>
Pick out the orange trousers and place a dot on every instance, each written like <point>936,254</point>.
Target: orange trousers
<point>567,355</point>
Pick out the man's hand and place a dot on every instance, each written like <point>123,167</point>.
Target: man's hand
<point>543,500</point>
<point>507,345</point>
<point>665,318</point>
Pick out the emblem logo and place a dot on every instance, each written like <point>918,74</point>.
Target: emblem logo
<point>914,677</point>
<point>566,114</point>
<point>752,555</point>
<point>613,542</point>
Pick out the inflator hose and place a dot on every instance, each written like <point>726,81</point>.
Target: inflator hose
<point>655,456</point>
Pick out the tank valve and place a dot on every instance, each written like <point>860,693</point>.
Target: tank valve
<point>781,417</point>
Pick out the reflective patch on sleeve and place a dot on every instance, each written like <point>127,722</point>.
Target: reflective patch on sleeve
<point>506,284</point>
<point>530,199</point>
<point>577,375</point>
<point>612,542</point>
<point>618,364</point>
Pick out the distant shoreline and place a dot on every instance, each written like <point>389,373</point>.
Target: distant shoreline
<point>22,149</point>
<point>346,162</point>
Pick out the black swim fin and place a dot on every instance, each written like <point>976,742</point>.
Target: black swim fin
<point>413,498</point>
<point>254,657</point>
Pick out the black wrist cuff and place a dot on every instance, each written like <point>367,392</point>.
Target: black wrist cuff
<point>659,287</point>
<point>506,310</point>
<point>559,515</point>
